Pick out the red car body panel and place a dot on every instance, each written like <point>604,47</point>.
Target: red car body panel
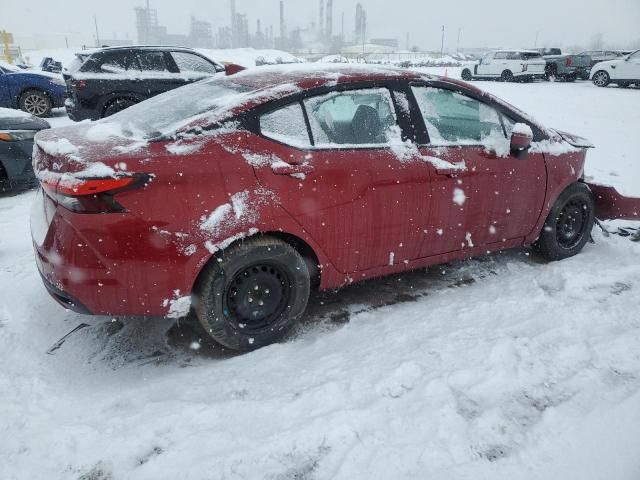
<point>360,213</point>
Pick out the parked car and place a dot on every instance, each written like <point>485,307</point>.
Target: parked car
<point>34,92</point>
<point>623,71</point>
<point>565,67</point>
<point>111,79</point>
<point>17,130</point>
<point>598,56</point>
<point>508,66</point>
<point>239,194</point>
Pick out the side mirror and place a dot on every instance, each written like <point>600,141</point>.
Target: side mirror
<point>521,138</point>
<point>233,68</point>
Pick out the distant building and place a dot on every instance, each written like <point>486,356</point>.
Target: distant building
<point>387,42</point>
<point>151,33</point>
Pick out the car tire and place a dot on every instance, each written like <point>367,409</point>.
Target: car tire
<point>466,75</point>
<point>35,102</point>
<point>550,73</point>
<point>117,106</point>
<point>601,78</point>
<point>253,294</point>
<point>507,76</point>
<point>568,226</point>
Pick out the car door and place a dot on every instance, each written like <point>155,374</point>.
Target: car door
<point>154,72</point>
<point>629,68</point>
<point>5,98</point>
<point>486,65</point>
<point>481,193</point>
<point>354,190</point>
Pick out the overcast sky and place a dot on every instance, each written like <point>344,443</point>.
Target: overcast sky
<point>481,23</point>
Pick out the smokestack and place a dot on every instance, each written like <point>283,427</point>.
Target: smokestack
<point>282,29</point>
<point>321,19</point>
<point>329,29</point>
<point>233,20</point>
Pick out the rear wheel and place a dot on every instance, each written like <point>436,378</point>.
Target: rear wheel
<point>253,294</point>
<point>117,106</point>
<point>601,79</point>
<point>35,102</point>
<point>568,226</point>
<point>466,75</point>
<point>507,76</point>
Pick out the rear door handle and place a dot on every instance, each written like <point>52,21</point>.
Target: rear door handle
<point>449,172</point>
<point>282,168</point>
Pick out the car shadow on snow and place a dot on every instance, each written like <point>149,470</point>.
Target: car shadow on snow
<point>118,343</point>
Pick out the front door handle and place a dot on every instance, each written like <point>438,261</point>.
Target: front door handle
<point>282,168</point>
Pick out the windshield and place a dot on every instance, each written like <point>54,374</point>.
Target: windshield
<point>164,114</point>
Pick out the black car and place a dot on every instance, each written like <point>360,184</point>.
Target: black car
<point>114,78</point>
<point>17,130</point>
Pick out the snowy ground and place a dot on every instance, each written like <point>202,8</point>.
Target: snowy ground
<point>503,367</point>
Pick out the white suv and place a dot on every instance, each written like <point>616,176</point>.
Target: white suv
<point>623,71</point>
<point>508,65</point>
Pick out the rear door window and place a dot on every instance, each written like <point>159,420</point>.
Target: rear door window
<point>352,118</point>
<point>286,125</point>
<point>114,62</point>
<point>191,63</point>
<point>150,62</point>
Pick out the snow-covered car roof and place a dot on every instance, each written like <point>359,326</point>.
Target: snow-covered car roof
<point>9,67</point>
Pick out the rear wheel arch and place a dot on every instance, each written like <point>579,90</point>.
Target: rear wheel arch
<point>301,246</point>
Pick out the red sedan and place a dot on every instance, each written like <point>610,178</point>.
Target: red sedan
<point>236,196</point>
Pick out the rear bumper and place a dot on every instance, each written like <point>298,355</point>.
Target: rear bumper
<point>105,264</point>
<point>63,298</point>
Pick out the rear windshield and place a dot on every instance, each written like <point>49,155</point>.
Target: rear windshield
<point>76,63</point>
<point>165,113</point>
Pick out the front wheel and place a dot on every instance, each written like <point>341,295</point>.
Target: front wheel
<point>466,75</point>
<point>568,226</point>
<point>253,294</point>
<point>36,103</point>
<point>507,76</point>
<point>601,79</point>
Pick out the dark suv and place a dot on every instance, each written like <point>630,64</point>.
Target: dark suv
<point>114,78</point>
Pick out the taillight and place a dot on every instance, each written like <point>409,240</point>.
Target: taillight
<point>79,84</point>
<point>568,62</point>
<point>92,195</point>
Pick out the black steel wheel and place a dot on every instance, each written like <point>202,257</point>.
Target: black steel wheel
<point>466,75</point>
<point>253,293</point>
<point>568,226</point>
